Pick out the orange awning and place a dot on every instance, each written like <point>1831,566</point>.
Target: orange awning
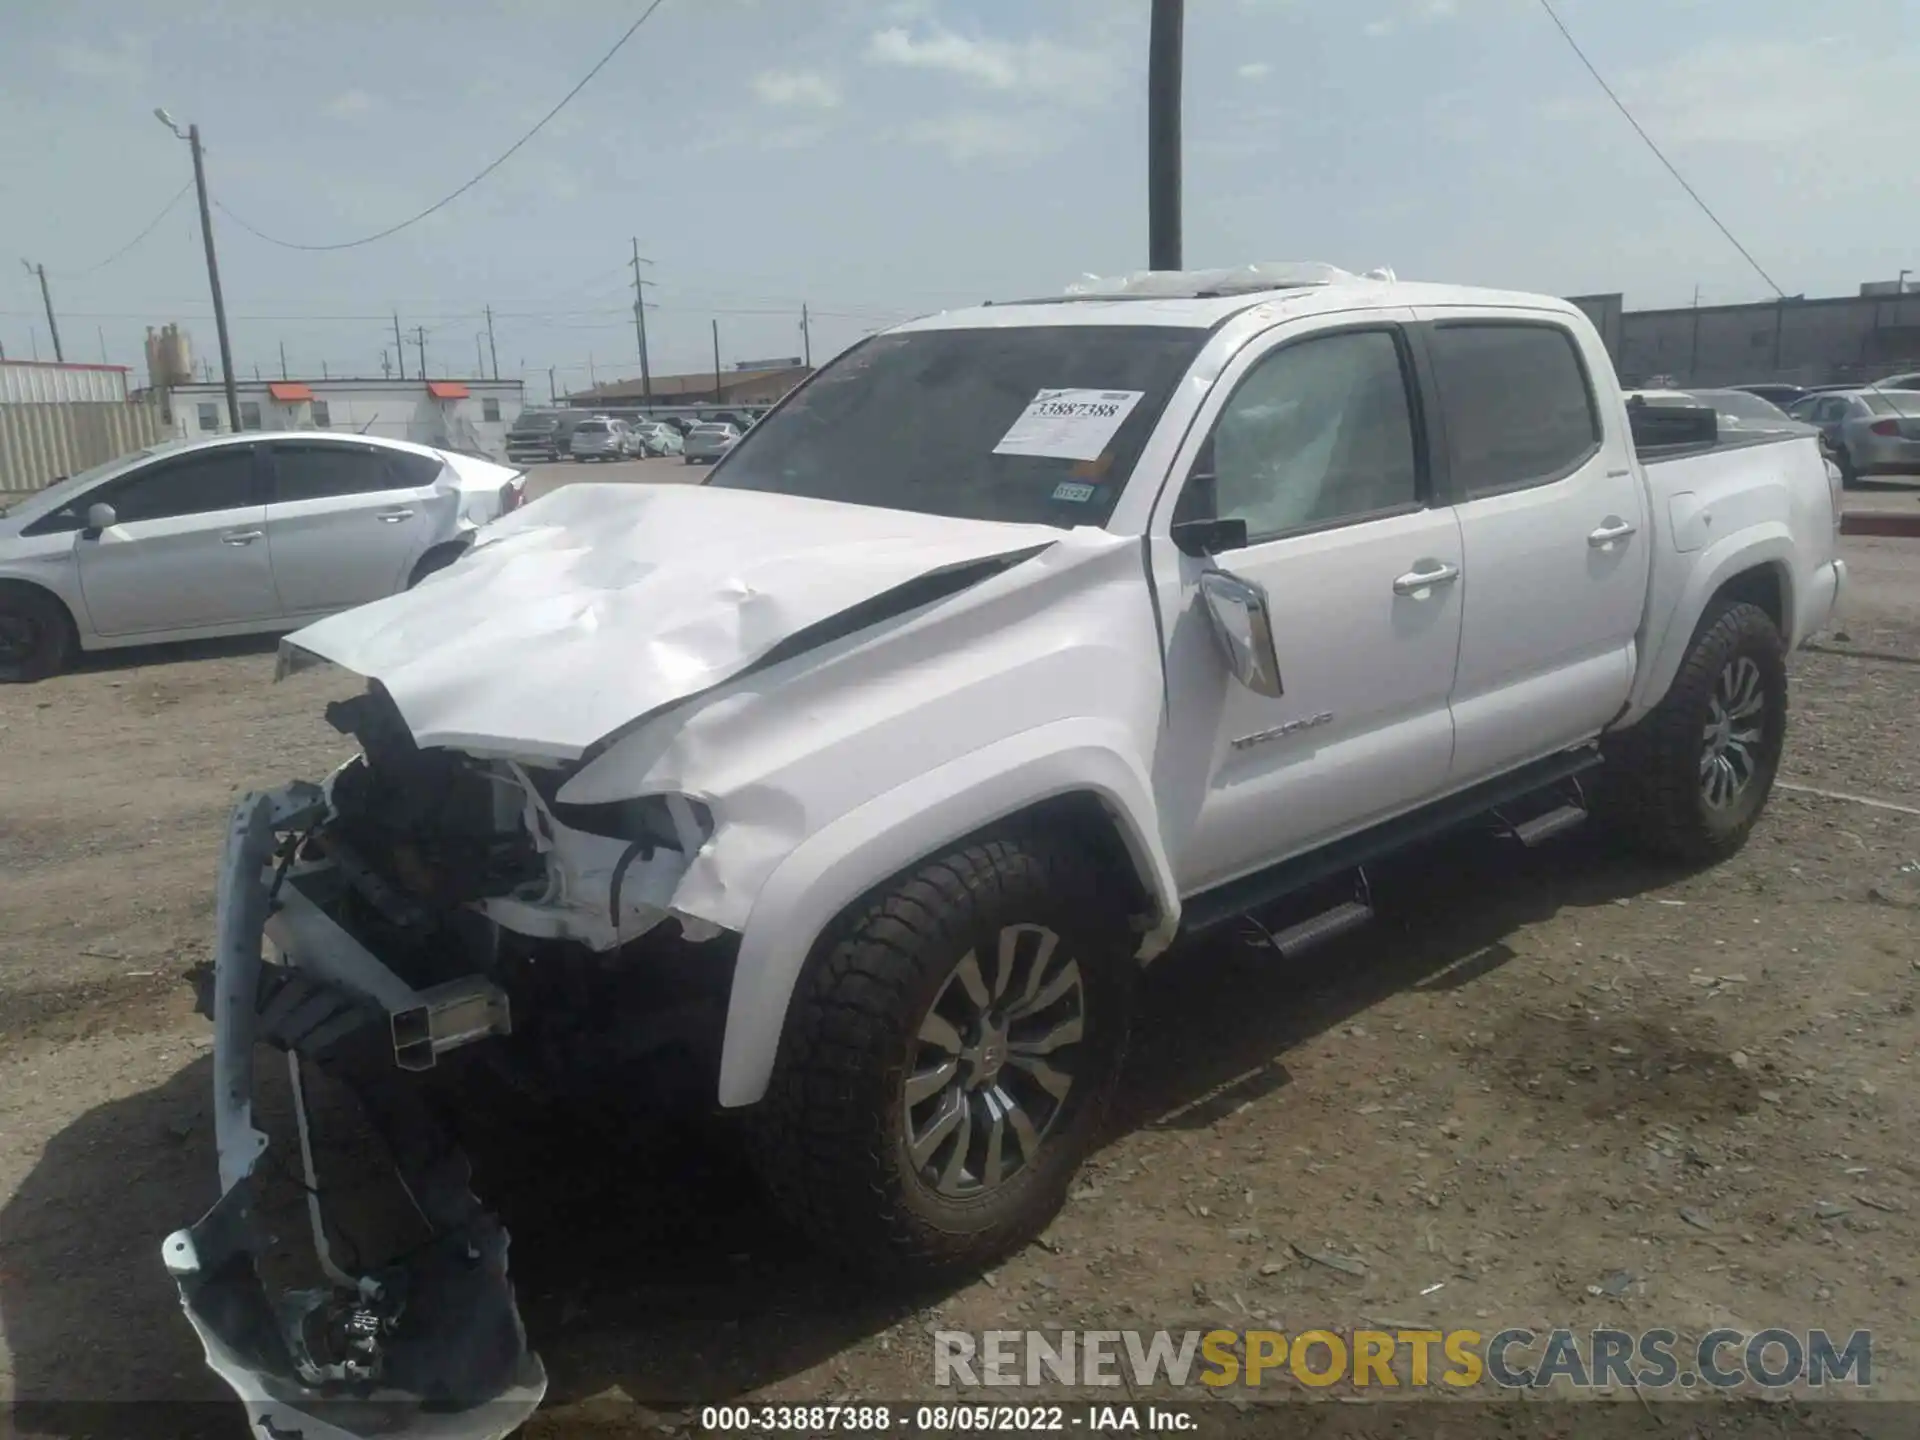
<point>446,390</point>
<point>289,390</point>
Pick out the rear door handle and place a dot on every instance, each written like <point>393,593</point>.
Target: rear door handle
<point>1614,529</point>
<point>241,537</point>
<point>393,517</point>
<point>1414,582</point>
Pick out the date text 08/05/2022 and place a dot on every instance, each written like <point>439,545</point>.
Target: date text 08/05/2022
<point>946,1419</point>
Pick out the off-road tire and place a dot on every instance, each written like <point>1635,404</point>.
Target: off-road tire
<point>1650,790</point>
<point>48,629</point>
<point>828,1138</point>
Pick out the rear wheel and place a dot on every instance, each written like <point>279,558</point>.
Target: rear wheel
<point>1690,780</point>
<point>947,1063</point>
<point>36,634</point>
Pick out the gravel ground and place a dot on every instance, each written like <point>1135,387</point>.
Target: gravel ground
<point>1551,1086</point>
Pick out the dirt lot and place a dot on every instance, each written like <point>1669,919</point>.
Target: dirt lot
<point>1550,1087</point>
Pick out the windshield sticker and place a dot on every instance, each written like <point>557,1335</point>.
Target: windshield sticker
<point>1073,490</point>
<point>1068,424</point>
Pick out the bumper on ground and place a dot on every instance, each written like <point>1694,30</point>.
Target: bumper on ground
<point>429,1344</point>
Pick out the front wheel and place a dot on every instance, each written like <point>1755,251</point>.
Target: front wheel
<point>36,637</point>
<point>948,1060</point>
<point>1689,781</point>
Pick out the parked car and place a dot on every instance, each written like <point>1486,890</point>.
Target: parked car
<point>542,435</point>
<point>856,785</point>
<point>601,439</point>
<point>231,535</point>
<point>656,437</point>
<point>707,443</point>
<point>1869,431</point>
<point>1777,393</point>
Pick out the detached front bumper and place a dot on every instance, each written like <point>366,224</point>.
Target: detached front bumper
<point>427,1345</point>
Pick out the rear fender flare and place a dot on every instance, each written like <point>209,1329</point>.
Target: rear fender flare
<point>1769,546</point>
<point>844,860</point>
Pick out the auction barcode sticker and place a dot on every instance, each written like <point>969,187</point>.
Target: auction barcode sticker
<point>1068,424</point>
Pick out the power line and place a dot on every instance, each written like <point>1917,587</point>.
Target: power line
<point>446,200</point>
<point>152,225</point>
<point>1705,209</point>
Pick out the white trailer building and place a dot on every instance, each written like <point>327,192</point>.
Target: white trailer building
<point>469,415</point>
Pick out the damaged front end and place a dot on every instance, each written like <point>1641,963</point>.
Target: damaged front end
<point>368,929</point>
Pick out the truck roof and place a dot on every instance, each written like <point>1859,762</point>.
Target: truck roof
<point>1204,308</point>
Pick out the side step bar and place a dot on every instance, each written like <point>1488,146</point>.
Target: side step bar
<point>1296,940</point>
<point>1543,828</point>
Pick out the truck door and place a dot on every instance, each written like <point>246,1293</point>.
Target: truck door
<point>1312,436</point>
<point>1554,531</point>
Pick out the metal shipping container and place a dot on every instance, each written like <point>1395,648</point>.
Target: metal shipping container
<point>37,382</point>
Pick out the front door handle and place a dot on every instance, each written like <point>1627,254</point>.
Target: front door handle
<point>1614,529</point>
<point>393,517</point>
<point>1416,582</point>
<point>241,537</point>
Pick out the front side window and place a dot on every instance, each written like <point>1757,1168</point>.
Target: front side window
<point>318,472</point>
<point>1320,431</point>
<point>1518,408</point>
<point>194,485</point>
<point>971,423</point>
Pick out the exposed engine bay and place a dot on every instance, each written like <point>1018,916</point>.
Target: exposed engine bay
<point>421,903</point>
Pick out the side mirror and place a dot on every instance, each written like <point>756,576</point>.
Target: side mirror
<point>1244,627</point>
<point>1201,538</point>
<point>100,516</point>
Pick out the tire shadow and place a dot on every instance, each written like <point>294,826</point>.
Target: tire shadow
<point>644,1255</point>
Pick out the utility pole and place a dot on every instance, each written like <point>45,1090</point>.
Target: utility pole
<point>386,365</point>
<point>46,296</point>
<point>806,338</point>
<point>1163,135</point>
<point>399,346</point>
<point>479,359</point>
<point>192,137</point>
<point>283,360</point>
<point>323,371</point>
<point>640,324</point>
<point>490,349</point>
<point>717,396</point>
<point>553,390</point>
<point>420,344</point>
<point>593,376</point>
<point>102,332</point>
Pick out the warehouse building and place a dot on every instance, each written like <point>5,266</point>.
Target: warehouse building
<point>754,382</point>
<point>471,415</point>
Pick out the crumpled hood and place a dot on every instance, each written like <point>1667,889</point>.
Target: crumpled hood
<point>598,604</point>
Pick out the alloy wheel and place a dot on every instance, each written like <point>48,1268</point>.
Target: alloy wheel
<point>1731,741</point>
<point>994,1063</point>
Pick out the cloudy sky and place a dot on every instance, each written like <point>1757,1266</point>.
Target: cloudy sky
<point>880,158</point>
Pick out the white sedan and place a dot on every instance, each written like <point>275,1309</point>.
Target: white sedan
<point>230,536</point>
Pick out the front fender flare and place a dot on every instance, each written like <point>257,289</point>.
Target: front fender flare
<point>842,861</point>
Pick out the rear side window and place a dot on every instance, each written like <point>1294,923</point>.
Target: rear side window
<point>1518,408</point>
<point>409,471</point>
<point>318,472</point>
<point>196,485</point>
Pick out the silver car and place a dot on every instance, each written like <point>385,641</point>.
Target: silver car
<point>656,437</point>
<point>601,439</point>
<point>1869,431</point>
<point>707,443</point>
<point>231,535</point>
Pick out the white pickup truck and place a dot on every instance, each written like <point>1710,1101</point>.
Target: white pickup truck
<point>857,783</point>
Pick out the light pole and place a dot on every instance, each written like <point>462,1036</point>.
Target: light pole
<point>1163,134</point>
<point>192,137</point>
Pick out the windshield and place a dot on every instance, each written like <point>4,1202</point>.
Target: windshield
<point>1032,424</point>
<point>591,427</point>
